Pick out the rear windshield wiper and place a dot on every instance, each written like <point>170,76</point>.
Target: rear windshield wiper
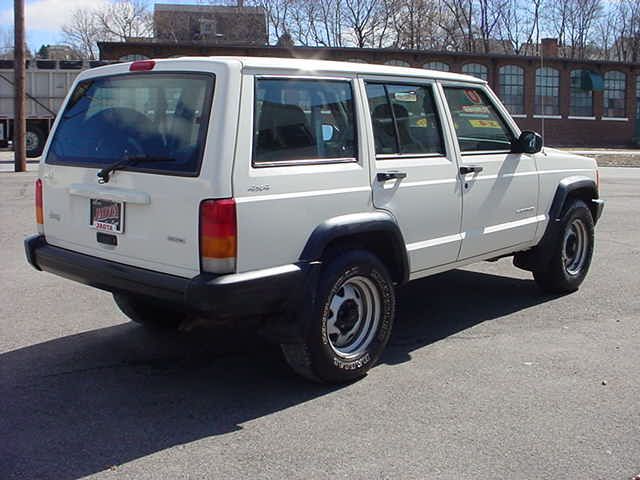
<point>128,161</point>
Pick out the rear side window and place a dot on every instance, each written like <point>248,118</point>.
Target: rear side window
<point>478,125</point>
<point>303,121</point>
<point>144,115</point>
<point>404,120</point>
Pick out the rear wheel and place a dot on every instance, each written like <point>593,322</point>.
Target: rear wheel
<point>350,321</point>
<point>571,256</point>
<point>149,312</point>
<point>35,140</point>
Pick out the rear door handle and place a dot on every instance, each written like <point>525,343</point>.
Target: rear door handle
<point>470,169</point>
<point>390,175</point>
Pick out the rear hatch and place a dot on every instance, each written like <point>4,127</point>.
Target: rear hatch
<point>163,123</point>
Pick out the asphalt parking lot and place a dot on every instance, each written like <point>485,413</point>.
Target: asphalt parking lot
<point>485,378</point>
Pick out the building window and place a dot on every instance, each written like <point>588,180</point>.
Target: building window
<point>440,66</point>
<point>638,97</point>
<point>132,58</point>
<point>614,94</point>
<point>581,104</point>
<point>476,70</point>
<point>397,63</point>
<point>512,88</point>
<point>547,101</point>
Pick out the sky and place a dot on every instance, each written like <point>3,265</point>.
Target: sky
<point>44,18</point>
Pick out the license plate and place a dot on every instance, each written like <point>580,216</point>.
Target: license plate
<point>107,216</point>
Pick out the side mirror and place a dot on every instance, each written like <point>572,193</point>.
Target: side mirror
<point>529,142</point>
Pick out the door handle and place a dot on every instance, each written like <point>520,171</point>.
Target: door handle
<point>390,175</point>
<point>470,169</point>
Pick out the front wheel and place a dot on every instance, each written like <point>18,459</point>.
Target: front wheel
<point>350,320</point>
<point>571,256</point>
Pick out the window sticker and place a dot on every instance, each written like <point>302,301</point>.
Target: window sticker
<point>484,123</point>
<point>422,123</point>
<point>473,96</point>
<point>482,109</point>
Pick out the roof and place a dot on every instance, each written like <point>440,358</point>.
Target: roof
<point>329,66</point>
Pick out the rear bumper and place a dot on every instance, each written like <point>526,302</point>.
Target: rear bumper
<point>252,293</point>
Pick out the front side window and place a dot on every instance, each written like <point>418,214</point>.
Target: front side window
<point>478,125</point>
<point>512,88</point>
<point>307,121</point>
<point>153,115</point>
<point>547,100</point>
<point>581,102</point>
<point>404,119</point>
<point>614,94</point>
<point>476,70</point>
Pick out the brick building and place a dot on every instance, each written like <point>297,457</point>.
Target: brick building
<point>582,103</point>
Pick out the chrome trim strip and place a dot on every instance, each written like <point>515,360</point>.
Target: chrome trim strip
<point>435,242</point>
<point>518,223</point>
<point>310,193</point>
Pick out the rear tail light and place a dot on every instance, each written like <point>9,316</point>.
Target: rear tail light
<point>218,235</point>
<point>39,207</point>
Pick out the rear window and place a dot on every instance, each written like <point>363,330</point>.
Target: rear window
<point>303,121</point>
<point>157,115</point>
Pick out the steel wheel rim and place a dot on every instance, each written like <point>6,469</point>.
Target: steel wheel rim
<point>31,140</point>
<point>353,316</point>
<point>574,247</point>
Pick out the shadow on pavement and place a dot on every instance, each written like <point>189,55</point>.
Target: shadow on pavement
<point>79,404</point>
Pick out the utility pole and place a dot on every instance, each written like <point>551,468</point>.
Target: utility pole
<point>19,120</point>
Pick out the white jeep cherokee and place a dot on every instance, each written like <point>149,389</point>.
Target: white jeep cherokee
<point>298,192</point>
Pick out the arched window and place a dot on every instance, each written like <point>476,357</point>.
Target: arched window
<point>581,101</point>
<point>477,70</point>
<point>356,60</point>
<point>397,63</point>
<point>638,97</point>
<point>512,88</point>
<point>440,66</point>
<point>614,94</point>
<point>132,58</point>
<point>547,101</point>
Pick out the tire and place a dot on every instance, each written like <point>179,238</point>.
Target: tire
<point>149,312</point>
<point>571,256</point>
<point>341,346</point>
<point>36,139</point>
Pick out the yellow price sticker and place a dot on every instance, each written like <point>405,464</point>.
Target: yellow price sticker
<point>422,122</point>
<point>484,123</point>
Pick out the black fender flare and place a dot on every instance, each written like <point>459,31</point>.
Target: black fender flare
<point>294,326</point>
<point>352,225</point>
<point>567,187</point>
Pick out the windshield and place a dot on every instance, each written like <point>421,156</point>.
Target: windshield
<point>150,114</point>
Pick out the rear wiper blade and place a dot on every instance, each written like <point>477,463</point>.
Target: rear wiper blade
<point>128,161</point>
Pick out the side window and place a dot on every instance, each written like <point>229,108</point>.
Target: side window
<point>478,125</point>
<point>404,120</point>
<point>299,120</point>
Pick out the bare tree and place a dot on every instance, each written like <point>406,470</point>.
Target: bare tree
<point>520,26</point>
<point>627,21</point>
<point>124,19</point>
<point>81,33</point>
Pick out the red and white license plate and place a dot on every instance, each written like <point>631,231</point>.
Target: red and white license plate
<point>107,216</point>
